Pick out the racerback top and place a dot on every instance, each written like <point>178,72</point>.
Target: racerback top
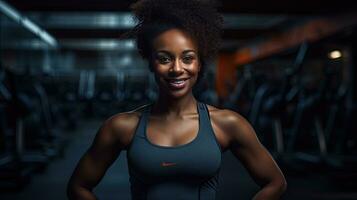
<point>185,172</point>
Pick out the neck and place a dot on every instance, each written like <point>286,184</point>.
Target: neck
<point>166,105</point>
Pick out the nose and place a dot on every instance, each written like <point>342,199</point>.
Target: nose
<point>176,68</point>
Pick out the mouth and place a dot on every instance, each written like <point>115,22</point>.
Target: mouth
<point>177,83</point>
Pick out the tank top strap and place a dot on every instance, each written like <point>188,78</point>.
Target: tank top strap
<point>142,122</point>
<point>206,125</point>
<point>204,115</point>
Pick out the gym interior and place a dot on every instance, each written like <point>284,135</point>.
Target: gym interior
<point>288,67</point>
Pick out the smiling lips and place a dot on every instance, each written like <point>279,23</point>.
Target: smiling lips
<point>177,83</point>
<point>167,164</point>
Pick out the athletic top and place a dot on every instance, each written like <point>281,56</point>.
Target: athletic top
<point>185,172</point>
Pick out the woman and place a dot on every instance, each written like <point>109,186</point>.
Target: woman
<point>174,145</point>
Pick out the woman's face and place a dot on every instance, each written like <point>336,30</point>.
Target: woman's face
<point>175,62</point>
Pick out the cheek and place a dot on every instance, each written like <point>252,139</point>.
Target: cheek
<point>158,69</point>
<point>159,73</point>
<point>194,69</point>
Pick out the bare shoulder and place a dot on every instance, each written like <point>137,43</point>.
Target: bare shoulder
<point>230,123</point>
<point>226,117</point>
<point>122,126</point>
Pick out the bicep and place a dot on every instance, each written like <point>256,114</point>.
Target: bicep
<point>97,159</point>
<point>253,155</point>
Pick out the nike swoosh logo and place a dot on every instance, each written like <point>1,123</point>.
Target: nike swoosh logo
<point>167,164</point>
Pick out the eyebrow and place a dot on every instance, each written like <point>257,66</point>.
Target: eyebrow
<point>168,52</point>
<point>188,51</point>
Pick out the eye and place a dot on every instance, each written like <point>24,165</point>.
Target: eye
<point>188,59</point>
<point>163,59</point>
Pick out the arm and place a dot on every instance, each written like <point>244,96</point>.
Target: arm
<point>245,145</point>
<point>91,168</point>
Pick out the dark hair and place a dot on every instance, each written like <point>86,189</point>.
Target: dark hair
<point>199,18</point>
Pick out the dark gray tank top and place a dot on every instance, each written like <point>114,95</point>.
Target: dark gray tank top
<point>186,172</point>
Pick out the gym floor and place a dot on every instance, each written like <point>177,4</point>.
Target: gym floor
<point>235,181</point>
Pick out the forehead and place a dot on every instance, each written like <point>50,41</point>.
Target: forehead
<point>174,40</point>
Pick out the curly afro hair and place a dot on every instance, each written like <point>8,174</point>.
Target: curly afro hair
<point>199,18</point>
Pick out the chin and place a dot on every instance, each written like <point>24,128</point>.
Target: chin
<point>176,94</point>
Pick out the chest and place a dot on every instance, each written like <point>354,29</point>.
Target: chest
<point>195,157</point>
<point>172,133</point>
<point>196,160</point>
<point>183,131</point>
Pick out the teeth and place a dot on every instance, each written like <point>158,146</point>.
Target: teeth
<point>177,82</point>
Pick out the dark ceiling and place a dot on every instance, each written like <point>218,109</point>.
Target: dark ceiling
<point>279,14</point>
<point>235,6</point>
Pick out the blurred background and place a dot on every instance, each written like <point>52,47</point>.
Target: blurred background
<point>289,67</point>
